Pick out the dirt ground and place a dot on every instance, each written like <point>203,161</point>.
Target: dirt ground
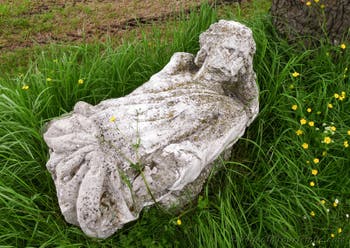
<point>25,23</point>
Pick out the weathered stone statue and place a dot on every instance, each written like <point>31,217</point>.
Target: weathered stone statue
<point>158,143</point>
<point>323,19</point>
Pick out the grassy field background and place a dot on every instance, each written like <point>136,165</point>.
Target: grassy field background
<point>287,184</point>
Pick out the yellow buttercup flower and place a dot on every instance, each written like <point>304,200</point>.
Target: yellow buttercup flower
<point>340,230</point>
<point>336,95</point>
<point>346,144</point>
<point>48,79</point>
<point>312,183</point>
<point>348,132</point>
<point>333,128</point>
<point>342,46</point>
<point>314,172</point>
<point>330,105</point>
<point>312,213</point>
<point>323,202</point>
<point>324,153</point>
<point>332,235</point>
<point>305,145</point>
<point>80,81</point>
<point>311,123</point>
<point>343,94</point>
<point>112,119</point>
<point>178,222</point>
<point>299,132</point>
<point>322,6</point>
<point>303,121</point>
<point>295,74</point>
<point>309,110</point>
<point>25,87</point>
<point>295,107</point>
<point>327,140</point>
<point>308,3</point>
<point>316,160</point>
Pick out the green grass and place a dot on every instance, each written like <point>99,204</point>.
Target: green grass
<point>260,198</point>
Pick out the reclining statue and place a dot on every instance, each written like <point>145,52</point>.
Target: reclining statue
<point>158,144</point>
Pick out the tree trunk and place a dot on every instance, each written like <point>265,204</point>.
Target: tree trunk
<point>324,19</point>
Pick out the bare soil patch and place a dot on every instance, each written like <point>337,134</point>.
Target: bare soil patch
<point>26,23</point>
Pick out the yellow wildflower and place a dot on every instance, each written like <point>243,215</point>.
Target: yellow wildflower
<point>311,123</point>
<point>80,81</point>
<point>308,3</point>
<point>291,86</point>
<point>178,222</point>
<point>322,6</point>
<point>346,144</point>
<point>348,132</point>
<point>343,94</point>
<point>305,145</point>
<point>316,1</point>
<point>309,110</point>
<point>314,172</point>
<point>323,202</point>
<point>324,153</point>
<point>327,140</point>
<point>295,74</point>
<point>342,46</point>
<point>340,230</point>
<point>336,95</point>
<point>25,87</point>
<point>48,79</point>
<point>295,107</point>
<point>312,183</point>
<point>332,235</point>
<point>316,160</point>
<point>299,132</point>
<point>333,128</point>
<point>330,105</point>
<point>303,121</point>
<point>312,213</point>
<point>112,119</point>
<point>341,98</point>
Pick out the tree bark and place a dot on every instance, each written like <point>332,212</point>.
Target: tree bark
<point>325,19</point>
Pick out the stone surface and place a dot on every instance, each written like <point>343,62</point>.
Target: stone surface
<point>158,143</point>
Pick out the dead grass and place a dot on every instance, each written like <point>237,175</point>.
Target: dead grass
<point>26,23</point>
<point>26,26</point>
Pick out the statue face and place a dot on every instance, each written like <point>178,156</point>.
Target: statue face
<point>223,50</point>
